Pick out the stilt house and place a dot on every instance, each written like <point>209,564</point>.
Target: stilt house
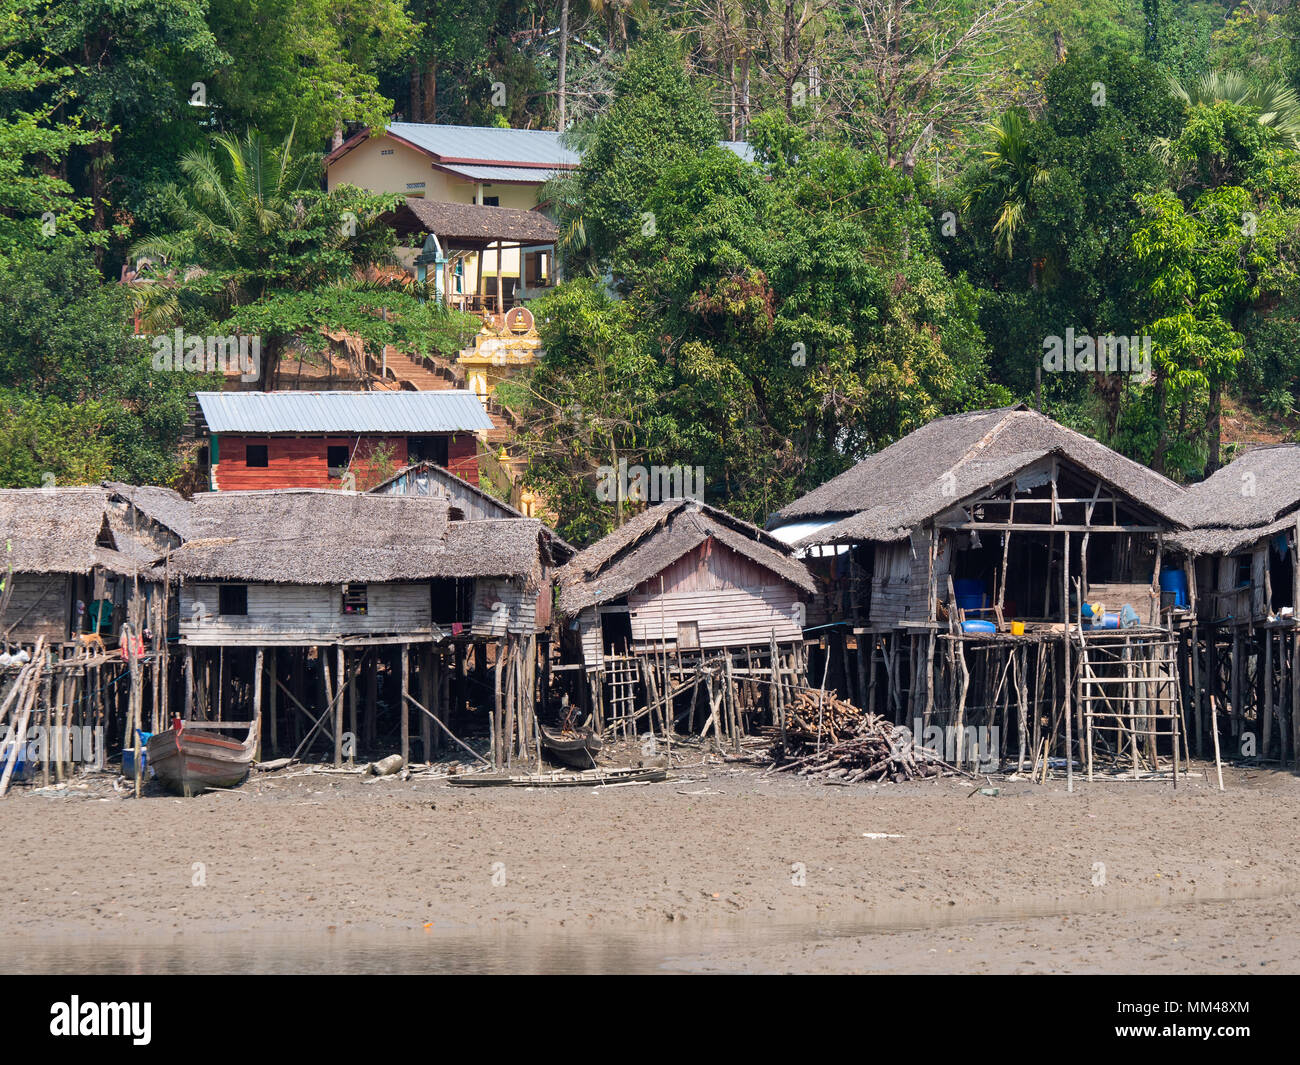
<point>1240,586</point>
<point>972,572</point>
<point>682,591</point>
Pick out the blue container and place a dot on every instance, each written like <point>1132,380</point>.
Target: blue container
<point>128,757</point>
<point>972,602</point>
<point>1108,621</point>
<point>969,586</point>
<point>1174,580</point>
<point>21,765</point>
<point>980,626</point>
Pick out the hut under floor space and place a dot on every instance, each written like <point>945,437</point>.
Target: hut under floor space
<point>363,698</point>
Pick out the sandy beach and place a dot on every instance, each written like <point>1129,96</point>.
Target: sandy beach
<point>920,877</point>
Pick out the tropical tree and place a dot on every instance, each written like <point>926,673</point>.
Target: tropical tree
<point>257,247</point>
<point>1014,172</point>
<point>1273,102</point>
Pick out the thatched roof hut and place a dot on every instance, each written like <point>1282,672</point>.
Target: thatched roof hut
<point>925,473</point>
<point>1253,497</point>
<point>63,530</point>
<point>651,541</point>
<point>306,536</point>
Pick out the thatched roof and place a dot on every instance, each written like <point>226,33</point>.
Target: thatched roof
<point>167,508</point>
<point>928,471</point>
<point>453,484</point>
<point>659,536</point>
<point>496,547</point>
<point>307,536</point>
<point>60,530</point>
<point>1252,497</point>
<point>470,225</point>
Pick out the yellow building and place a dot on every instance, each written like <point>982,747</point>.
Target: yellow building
<point>470,165</point>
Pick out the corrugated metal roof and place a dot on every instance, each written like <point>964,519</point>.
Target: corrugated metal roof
<point>343,412</point>
<point>742,148</point>
<point>487,143</point>
<point>499,173</point>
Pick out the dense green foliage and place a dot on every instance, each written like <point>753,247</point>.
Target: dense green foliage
<point>919,215</point>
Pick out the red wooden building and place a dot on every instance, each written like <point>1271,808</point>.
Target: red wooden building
<point>335,439</point>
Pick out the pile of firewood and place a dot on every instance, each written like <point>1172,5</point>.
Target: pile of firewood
<point>855,745</point>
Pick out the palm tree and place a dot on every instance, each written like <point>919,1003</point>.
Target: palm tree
<point>235,197</point>
<point>1274,102</point>
<point>243,209</point>
<point>1013,174</point>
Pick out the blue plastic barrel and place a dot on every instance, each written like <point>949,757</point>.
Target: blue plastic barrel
<point>978,626</point>
<point>1174,580</point>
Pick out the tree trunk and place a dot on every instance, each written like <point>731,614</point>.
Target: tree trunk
<point>564,62</point>
<point>416,108</point>
<point>744,93</point>
<point>1215,428</point>
<point>430,91</point>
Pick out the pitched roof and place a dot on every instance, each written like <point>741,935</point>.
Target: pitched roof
<point>343,412</point>
<point>451,483</point>
<point>487,145</point>
<point>1253,496</point>
<point>475,224</point>
<point>657,537</point>
<point>312,536</point>
<point>58,530</point>
<point>490,154</point>
<point>926,472</point>
<point>168,508</point>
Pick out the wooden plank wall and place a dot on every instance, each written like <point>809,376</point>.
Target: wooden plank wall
<point>502,606</point>
<point>41,601</point>
<point>296,611</point>
<point>462,456</point>
<point>731,598</point>
<point>300,461</point>
<point>589,635</point>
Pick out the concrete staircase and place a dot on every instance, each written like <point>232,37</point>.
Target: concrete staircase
<point>414,375</point>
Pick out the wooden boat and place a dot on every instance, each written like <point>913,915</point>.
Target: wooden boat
<point>191,760</point>
<point>575,747</point>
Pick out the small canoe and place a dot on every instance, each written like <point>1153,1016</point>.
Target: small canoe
<point>192,760</point>
<point>575,747</point>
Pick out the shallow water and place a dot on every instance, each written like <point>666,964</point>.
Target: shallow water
<point>637,948</point>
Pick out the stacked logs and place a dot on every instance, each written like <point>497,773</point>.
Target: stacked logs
<point>854,745</point>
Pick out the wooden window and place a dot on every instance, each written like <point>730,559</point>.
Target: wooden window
<point>336,457</point>
<point>354,599</point>
<point>232,599</point>
<point>688,635</point>
<point>256,455</point>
